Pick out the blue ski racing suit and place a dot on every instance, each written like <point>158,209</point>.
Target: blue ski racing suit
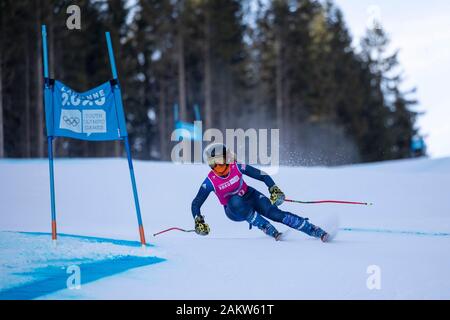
<point>254,207</point>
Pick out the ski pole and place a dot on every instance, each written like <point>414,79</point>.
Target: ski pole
<point>330,201</point>
<point>170,229</point>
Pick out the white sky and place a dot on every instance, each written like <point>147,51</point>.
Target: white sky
<point>421,30</point>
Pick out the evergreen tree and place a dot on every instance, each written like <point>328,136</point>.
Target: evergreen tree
<point>293,68</point>
<point>389,118</point>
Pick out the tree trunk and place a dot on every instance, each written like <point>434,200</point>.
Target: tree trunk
<point>117,148</point>
<point>181,78</point>
<point>279,81</point>
<point>162,121</point>
<point>208,86</point>
<point>39,86</point>
<point>181,65</point>
<point>182,73</point>
<point>27,100</point>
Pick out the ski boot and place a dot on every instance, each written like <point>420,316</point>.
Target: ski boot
<point>258,221</point>
<point>325,237</point>
<point>302,224</point>
<point>278,236</point>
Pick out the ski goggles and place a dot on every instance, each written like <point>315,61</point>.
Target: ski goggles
<point>218,160</point>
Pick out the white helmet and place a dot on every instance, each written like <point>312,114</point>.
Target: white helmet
<point>217,153</point>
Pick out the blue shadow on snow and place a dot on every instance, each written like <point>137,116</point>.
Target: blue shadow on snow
<point>51,279</point>
<point>129,243</point>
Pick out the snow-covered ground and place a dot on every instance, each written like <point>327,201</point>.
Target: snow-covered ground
<point>405,234</point>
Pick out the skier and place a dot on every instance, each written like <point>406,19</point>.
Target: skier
<point>242,202</point>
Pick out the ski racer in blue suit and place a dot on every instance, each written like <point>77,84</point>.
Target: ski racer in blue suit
<point>242,202</point>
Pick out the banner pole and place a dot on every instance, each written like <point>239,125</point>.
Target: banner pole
<point>49,138</point>
<point>52,185</point>
<point>112,61</point>
<point>197,113</point>
<point>127,146</point>
<point>44,50</point>
<point>135,194</point>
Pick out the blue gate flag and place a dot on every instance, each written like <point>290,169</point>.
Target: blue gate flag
<point>96,114</point>
<point>188,131</point>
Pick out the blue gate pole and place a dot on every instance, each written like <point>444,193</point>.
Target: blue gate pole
<point>44,50</point>
<point>135,194</point>
<point>49,138</point>
<point>127,147</point>
<point>52,185</point>
<point>197,112</point>
<point>112,61</point>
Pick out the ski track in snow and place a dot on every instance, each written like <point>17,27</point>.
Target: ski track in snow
<point>406,233</point>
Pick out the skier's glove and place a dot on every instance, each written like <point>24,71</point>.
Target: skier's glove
<point>201,227</point>
<point>276,195</point>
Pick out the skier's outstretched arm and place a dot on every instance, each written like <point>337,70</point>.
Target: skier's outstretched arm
<point>276,195</point>
<point>205,189</point>
<point>201,227</point>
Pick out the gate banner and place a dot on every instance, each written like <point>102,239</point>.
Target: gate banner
<point>90,115</point>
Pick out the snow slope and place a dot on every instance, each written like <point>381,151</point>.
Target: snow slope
<point>406,233</point>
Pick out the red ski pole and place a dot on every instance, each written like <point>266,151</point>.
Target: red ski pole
<point>330,201</point>
<point>170,229</point>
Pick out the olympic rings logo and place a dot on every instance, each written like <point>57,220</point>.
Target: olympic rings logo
<point>71,121</point>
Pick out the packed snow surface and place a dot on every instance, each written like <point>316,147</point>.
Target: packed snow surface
<point>399,248</point>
